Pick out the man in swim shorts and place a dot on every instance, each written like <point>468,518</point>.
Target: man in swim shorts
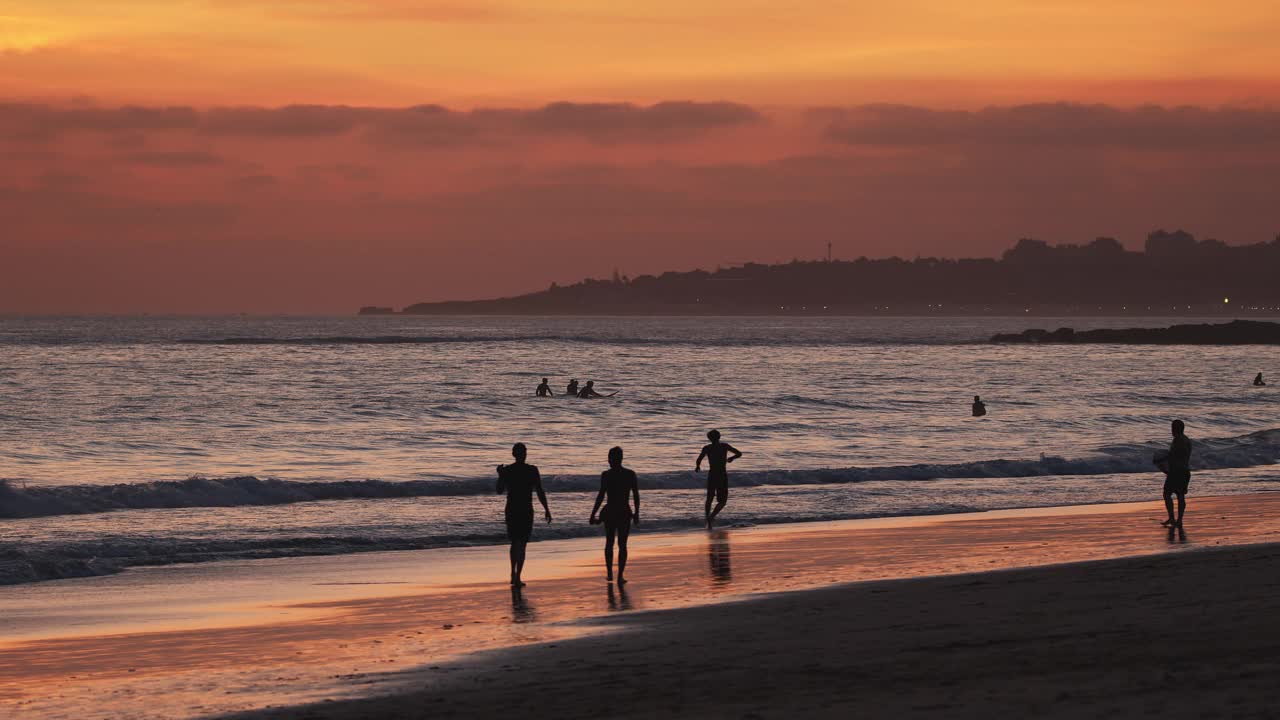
<point>618,486</point>
<point>520,481</point>
<point>1177,467</point>
<point>718,456</point>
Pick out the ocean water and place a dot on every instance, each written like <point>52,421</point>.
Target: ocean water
<point>144,441</point>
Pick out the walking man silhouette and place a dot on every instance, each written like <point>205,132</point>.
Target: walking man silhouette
<point>618,485</point>
<point>1177,468</point>
<point>520,481</point>
<point>718,456</point>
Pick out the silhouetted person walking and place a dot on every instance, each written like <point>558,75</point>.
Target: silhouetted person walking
<point>572,389</point>
<point>1177,468</point>
<point>520,481</point>
<point>979,407</point>
<point>544,389</point>
<point>1258,381</point>
<point>718,456</point>
<point>618,485</point>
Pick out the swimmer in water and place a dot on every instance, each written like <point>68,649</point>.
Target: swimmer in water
<point>979,407</point>
<point>572,389</point>
<point>544,390</point>
<point>589,390</point>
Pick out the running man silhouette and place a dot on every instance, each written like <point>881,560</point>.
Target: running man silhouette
<point>979,407</point>
<point>519,481</point>
<point>572,389</point>
<point>544,390</point>
<point>1177,468</point>
<point>717,455</point>
<point>1258,381</point>
<point>618,485</point>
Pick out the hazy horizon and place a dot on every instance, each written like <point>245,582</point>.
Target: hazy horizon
<point>220,157</point>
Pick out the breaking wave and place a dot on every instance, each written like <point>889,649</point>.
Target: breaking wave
<point>1250,450</point>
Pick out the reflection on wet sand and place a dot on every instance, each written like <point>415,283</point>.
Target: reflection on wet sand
<point>718,556</point>
<point>618,600</point>
<point>521,610</point>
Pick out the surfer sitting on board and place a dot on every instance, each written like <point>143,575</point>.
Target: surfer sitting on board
<point>979,407</point>
<point>1258,381</point>
<point>589,391</point>
<point>544,390</point>
<point>572,389</point>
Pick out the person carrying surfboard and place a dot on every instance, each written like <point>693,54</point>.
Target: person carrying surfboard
<point>718,456</point>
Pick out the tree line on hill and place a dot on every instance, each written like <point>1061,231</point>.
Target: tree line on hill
<point>1173,271</point>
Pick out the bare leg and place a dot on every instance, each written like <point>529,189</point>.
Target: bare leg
<point>517,562</point>
<point>715,512</point>
<point>706,514</point>
<point>1182,507</point>
<point>1168,505</point>
<point>623,533</point>
<point>609,534</point>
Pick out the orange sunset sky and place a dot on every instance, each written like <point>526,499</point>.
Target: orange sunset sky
<point>318,155</point>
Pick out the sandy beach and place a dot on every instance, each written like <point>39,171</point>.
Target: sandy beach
<point>1029,611</point>
<point>1188,635</point>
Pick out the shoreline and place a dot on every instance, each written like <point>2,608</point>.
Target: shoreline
<point>1187,635</point>
<point>294,631</point>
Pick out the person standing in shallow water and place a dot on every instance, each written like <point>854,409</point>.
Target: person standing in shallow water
<point>979,407</point>
<point>520,481</point>
<point>1177,468</point>
<point>544,389</point>
<point>718,456</point>
<point>618,486</point>
<point>572,388</point>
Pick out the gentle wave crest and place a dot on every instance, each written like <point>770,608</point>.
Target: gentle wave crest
<point>1253,449</point>
<point>576,339</point>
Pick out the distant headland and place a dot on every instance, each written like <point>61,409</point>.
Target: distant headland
<point>1174,274</point>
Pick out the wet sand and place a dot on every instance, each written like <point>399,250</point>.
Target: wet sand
<point>427,627</point>
<point>1192,635</point>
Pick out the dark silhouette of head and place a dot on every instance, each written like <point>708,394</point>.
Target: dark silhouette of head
<point>615,457</point>
<point>977,398</point>
<point>519,452</point>
<point>591,383</point>
<point>544,381</point>
<point>1178,428</point>
<point>714,436</point>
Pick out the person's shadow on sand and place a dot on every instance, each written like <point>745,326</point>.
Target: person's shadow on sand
<point>718,557</point>
<point>618,600</point>
<point>521,611</point>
